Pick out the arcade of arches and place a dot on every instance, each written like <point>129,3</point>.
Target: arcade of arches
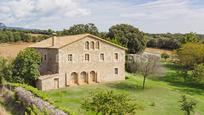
<point>83,78</point>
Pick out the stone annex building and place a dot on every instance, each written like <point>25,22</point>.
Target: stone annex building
<point>79,59</point>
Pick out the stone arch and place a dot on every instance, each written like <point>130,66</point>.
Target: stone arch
<point>93,76</point>
<point>74,78</point>
<point>84,77</point>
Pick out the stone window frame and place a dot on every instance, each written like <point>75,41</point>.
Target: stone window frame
<point>45,57</point>
<point>70,57</point>
<point>102,58</point>
<point>97,45</point>
<point>92,45</point>
<point>87,45</point>
<point>87,58</point>
<point>116,70</point>
<point>116,54</point>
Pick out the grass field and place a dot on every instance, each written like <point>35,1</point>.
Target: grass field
<point>164,91</point>
<point>10,50</point>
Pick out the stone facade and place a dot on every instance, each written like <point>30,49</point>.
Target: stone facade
<point>84,61</point>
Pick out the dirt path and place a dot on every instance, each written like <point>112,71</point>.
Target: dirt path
<point>158,51</point>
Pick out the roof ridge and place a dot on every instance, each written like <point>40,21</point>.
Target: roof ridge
<point>63,41</point>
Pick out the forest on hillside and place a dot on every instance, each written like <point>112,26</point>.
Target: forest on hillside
<point>122,34</point>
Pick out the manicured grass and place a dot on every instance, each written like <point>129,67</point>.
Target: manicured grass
<point>164,92</point>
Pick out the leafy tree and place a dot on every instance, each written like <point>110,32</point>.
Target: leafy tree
<point>187,106</point>
<point>25,66</point>
<point>109,103</point>
<point>152,43</point>
<point>165,56</point>
<point>190,37</point>
<point>198,73</point>
<point>5,70</point>
<point>191,54</point>
<point>129,37</point>
<point>81,29</point>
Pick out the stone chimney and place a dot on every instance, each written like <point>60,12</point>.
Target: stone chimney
<point>54,36</point>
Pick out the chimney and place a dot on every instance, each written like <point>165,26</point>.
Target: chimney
<point>53,38</point>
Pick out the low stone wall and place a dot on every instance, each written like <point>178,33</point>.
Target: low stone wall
<point>30,99</point>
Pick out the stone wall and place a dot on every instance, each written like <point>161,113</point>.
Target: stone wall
<point>104,69</point>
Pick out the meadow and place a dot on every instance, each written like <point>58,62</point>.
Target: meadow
<point>160,97</point>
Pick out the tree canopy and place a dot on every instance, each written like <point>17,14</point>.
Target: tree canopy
<point>25,66</point>
<point>81,29</point>
<point>191,54</point>
<point>129,37</point>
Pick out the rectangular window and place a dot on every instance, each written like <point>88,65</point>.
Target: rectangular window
<point>102,56</point>
<point>87,57</point>
<point>69,57</point>
<point>45,57</point>
<point>116,56</point>
<point>116,71</point>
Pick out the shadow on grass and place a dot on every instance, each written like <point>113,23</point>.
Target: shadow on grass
<point>126,85</point>
<point>172,66</point>
<point>174,78</point>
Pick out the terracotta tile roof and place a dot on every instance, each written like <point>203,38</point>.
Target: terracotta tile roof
<point>66,40</point>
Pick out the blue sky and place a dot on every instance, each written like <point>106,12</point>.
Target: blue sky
<point>153,16</point>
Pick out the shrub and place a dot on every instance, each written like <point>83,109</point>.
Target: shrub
<point>39,94</point>
<point>165,56</point>
<point>187,106</point>
<point>35,91</point>
<point>109,103</point>
<point>198,73</point>
<point>191,54</point>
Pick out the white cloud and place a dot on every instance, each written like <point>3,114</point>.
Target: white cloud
<point>37,9</point>
<point>150,16</point>
<point>168,16</point>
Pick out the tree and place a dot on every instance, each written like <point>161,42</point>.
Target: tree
<point>165,56</point>
<point>190,37</point>
<point>198,73</point>
<point>109,103</point>
<point>147,67</point>
<point>152,43</point>
<point>129,37</point>
<point>25,66</point>
<point>81,29</point>
<point>5,70</point>
<point>187,106</point>
<point>191,54</point>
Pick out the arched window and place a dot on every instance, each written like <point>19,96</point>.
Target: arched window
<point>87,45</point>
<point>92,45</point>
<point>97,45</point>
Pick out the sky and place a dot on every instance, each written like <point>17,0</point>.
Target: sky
<point>152,16</point>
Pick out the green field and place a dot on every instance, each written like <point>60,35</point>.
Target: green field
<point>164,92</point>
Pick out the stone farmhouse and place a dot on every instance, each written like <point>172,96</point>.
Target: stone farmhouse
<point>77,60</point>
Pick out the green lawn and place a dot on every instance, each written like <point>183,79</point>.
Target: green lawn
<point>163,91</point>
